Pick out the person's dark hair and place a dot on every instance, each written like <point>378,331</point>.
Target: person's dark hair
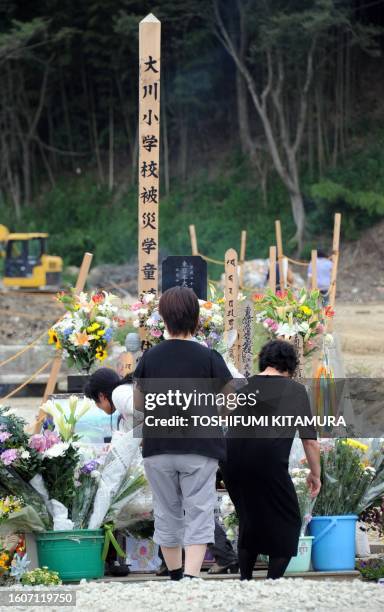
<point>280,355</point>
<point>322,253</point>
<point>104,380</point>
<point>179,307</point>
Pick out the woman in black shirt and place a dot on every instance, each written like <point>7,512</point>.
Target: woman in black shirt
<point>180,464</point>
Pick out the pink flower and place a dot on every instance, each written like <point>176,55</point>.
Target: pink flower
<point>136,306</point>
<point>38,442</point>
<point>273,325</point>
<point>51,438</point>
<point>9,456</point>
<point>156,333</point>
<point>4,435</point>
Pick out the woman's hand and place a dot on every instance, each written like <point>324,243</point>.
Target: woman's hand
<point>314,484</point>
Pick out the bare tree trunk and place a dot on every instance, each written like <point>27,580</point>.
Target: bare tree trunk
<point>111,146</point>
<point>67,122</point>
<point>96,138</point>
<point>183,146</point>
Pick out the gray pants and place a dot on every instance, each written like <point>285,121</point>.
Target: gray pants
<point>184,498</point>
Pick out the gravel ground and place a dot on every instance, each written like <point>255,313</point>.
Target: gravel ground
<point>286,595</point>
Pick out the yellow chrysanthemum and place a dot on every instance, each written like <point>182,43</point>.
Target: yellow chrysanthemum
<point>92,328</point>
<point>356,444</point>
<point>100,333</point>
<point>306,310</point>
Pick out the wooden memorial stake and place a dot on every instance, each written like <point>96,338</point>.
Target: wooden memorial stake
<point>230,294</point>
<point>314,269</point>
<point>247,341</point>
<point>149,147</point>
<point>243,245</point>
<point>56,365</point>
<point>192,235</point>
<point>279,244</point>
<point>272,268</point>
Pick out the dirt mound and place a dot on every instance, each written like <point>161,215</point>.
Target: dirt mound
<point>361,268</point>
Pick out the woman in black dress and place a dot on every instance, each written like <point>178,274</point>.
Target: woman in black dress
<point>256,470</point>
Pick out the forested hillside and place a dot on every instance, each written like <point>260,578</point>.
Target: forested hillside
<point>268,108</point>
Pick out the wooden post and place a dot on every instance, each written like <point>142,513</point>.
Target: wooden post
<point>272,268</point>
<point>56,365</point>
<point>243,246</point>
<point>149,147</point>
<point>246,341</point>
<point>192,235</point>
<point>280,253</point>
<point>230,294</point>
<point>314,269</point>
<point>335,259</point>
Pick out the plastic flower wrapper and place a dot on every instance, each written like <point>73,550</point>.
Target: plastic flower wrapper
<point>13,484</point>
<point>306,503</point>
<point>374,463</point>
<point>133,502</point>
<point>122,452</point>
<point>86,485</point>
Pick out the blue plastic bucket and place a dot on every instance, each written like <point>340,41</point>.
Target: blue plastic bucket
<point>333,547</point>
<point>302,561</point>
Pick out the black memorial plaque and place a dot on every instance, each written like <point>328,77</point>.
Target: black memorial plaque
<point>185,271</point>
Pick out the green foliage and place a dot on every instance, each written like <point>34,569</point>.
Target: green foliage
<point>42,576</point>
<point>371,569</point>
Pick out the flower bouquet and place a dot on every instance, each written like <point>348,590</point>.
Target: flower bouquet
<point>286,315</point>
<point>210,329</point>
<point>306,503</point>
<point>84,333</point>
<point>349,479</point>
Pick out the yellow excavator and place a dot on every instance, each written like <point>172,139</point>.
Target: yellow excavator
<point>27,264</point>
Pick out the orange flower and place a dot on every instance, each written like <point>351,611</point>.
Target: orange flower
<point>329,312</point>
<point>82,339</point>
<point>257,297</point>
<point>98,298</point>
<point>207,305</point>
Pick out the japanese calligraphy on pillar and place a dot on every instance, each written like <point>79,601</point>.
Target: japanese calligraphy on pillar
<point>231,290</point>
<point>149,146</point>
<point>246,356</point>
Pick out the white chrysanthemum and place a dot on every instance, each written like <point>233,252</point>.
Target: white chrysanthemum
<point>57,450</point>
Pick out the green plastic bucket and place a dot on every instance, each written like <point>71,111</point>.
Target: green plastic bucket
<point>73,554</point>
<point>302,561</point>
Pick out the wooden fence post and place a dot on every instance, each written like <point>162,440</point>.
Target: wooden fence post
<point>272,268</point>
<point>314,269</point>
<point>243,246</point>
<point>192,234</point>
<point>335,259</point>
<point>280,253</point>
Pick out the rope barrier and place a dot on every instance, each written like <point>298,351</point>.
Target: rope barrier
<point>24,384</point>
<point>23,350</point>
<point>210,260</point>
<point>297,261</point>
<point>25,315</point>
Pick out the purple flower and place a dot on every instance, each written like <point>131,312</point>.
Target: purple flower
<point>89,466</point>
<point>108,334</point>
<point>9,456</point>
<point>4,435</point>
<point>38,442</point>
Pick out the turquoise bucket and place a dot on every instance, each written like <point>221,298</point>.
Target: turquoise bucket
<point>302,561</point>
<point>333,547</point>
